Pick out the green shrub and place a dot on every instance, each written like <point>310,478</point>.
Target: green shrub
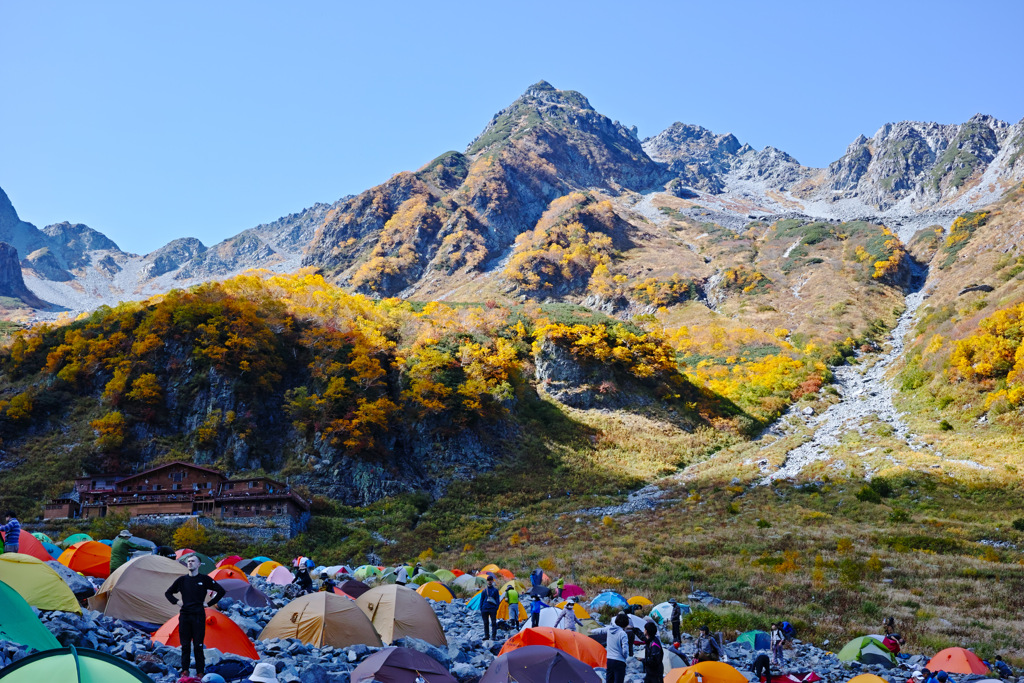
<point>945,426</point>
<point>1018,524</point>
<point>868,495</point>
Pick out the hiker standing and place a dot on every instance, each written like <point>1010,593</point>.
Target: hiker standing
<point>708,649</point>
<point>12,532</point>
<point>489,601</point>
<point>676,618</point>
<point>192,619</point>
<point>512,597</point>
<point>535,609</point>
<point>617,646</point>
<point>654,655</point>
<point>402,577</point>
<point>561,586</point>
<point>777,639</point>
<point>122,548</point>
<point>417,569</point>
<point>568,616</point>
<point>302,577</point>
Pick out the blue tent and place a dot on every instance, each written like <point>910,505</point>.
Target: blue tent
<point>610,598</point>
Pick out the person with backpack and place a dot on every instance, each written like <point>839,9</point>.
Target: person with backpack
<point>676,618</point>
<point>402,576</point>
<point>708,649</point>
<point>778,638</point>
<point>122,547</point>
<point>489,601</point>
<point>327,584</point>
<point>617,647</point>
<point>302,578</point>
<point>654,655</point>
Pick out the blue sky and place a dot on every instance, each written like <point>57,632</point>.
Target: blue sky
<point>151,121</point>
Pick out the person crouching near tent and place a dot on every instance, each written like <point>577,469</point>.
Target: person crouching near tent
<point>654,655</point>
<point>327,584</point>
<point>708,649</point>
<point>193,588</point>
<point>617,647</point>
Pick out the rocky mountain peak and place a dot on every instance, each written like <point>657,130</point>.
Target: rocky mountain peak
<point>12,284</point>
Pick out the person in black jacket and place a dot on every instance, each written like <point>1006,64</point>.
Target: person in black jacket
<point>676,618</point>
<point>193,589</point>
<point>654,655</point>
<point>489,601</point>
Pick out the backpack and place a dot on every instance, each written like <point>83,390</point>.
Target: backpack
<point>231,669</point>
<point>787,629</point>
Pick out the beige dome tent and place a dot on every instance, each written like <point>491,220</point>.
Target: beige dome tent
<point>322,619</point>
<point>397,611</point>
<point>135,591</point>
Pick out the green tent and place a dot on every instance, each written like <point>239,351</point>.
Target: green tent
<point>754,640</point>
<point>867,650</point>
<point>42,537</point>
<point>73,539</point>
<point>444,575</point>
<point>365,572</point>
<point>425,577</point>
<point>206,565</point>
<point>70,665</point>
<point>19,624</point>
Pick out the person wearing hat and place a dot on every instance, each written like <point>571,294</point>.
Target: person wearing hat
<point>263,673</point>
<point>676,618</point>
<point>568,616</point>
<point>302,578</point>
<point>512,598</point>
<point>916,677</point>
<point>536,607</point>
<point>943,677</point>
<point>327,584</point>
<point>417,569</point>
<point>122,547</point>
<point>193,589</point>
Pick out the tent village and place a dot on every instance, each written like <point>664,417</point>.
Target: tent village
<point>69,618</point>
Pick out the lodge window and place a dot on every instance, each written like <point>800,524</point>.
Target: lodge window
<point>177,476</point>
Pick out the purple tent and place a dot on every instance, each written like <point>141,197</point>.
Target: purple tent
<point>400,665</point>
<point>244,592</point>
<point>353,588</point>
<point>538,664</point>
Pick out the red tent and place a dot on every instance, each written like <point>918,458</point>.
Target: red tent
<point>957,660</point>
<point>30,545</point>
<point>221,633</point>
<point>230,559</point>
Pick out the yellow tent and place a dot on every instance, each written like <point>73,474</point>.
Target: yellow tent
<point>708,672</point>
<point>639,600</point>
<point>264,568</point>
<point>135,591</point>
<point>322,619</point>
<point>38,584</point>
<point>435,590</point>
<point>577,609</point>
<point>397,611</point>
<point>520,588</point>
<point>492,568</point>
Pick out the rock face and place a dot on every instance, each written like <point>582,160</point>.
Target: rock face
<point>171,256</point>
<point>462,212</point>
<point>11,283</point>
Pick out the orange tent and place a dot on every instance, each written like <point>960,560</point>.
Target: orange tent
<point>91,558</point>
<point>509,576</point>
<point>30,545</point>
<point>710,672</point>
<point>585,649</point>
<point>228,571</point>
<point>221,633</point>
<point>457,572</point>
<point>229,560</point>
<point>957,660</point>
